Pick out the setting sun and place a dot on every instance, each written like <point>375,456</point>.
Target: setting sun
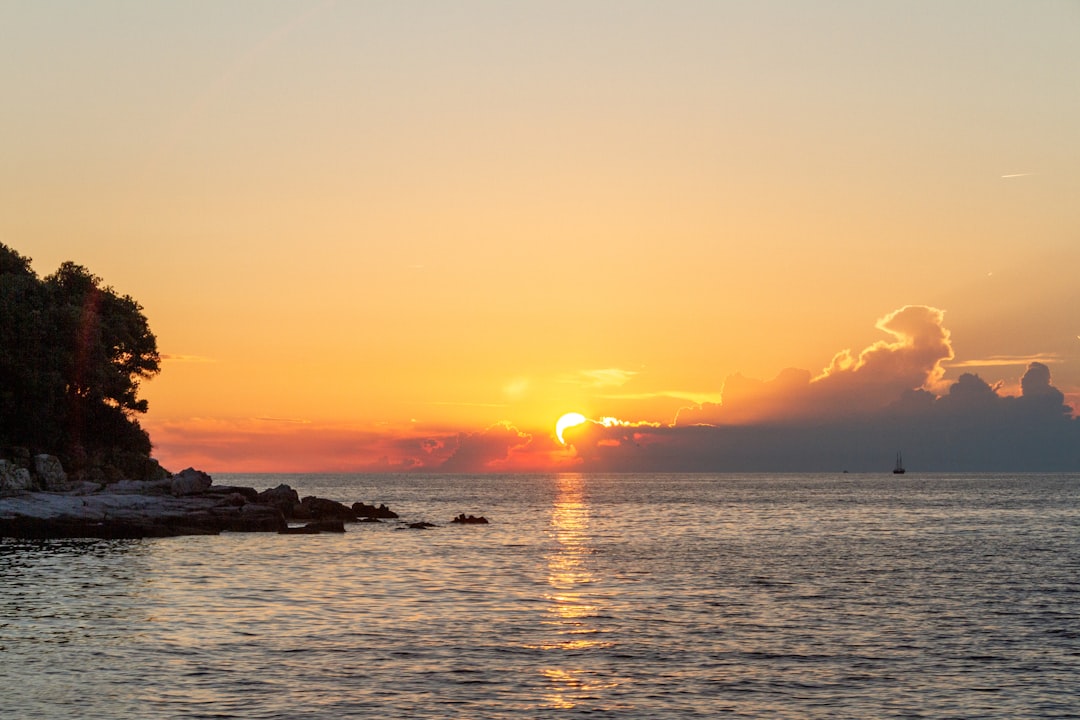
<point>567,421</point>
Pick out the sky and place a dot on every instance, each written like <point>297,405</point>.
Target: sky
<point>376,236</point>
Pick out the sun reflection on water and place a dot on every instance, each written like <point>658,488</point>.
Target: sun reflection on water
<point>572,611</point>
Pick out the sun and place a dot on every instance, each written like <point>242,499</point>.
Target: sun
<point>568,420</point>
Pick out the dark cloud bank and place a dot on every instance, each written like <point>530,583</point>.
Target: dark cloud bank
<point>855,416</point>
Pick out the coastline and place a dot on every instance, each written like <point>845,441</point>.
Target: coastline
<point>48,506</point>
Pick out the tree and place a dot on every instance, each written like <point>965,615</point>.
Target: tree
<point>72,355</point>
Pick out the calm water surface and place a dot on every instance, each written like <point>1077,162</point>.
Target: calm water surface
<point>610,596</point>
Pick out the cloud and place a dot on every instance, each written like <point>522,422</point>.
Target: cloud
<point>969,428</point>
<point>856,414</point>
<point>1006,360</point>
<point>684,395</point>
<point>852,385</point>
<point>486,451</point>
<point>601,377</point>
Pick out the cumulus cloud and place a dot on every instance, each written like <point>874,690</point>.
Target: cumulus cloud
<point>971,427</point>
<point>856,414</point>
<point>486,451</point>
<point>851,385</point>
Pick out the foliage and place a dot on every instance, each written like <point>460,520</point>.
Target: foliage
<point>72,355</point>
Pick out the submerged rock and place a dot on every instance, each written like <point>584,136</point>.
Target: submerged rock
<point>464,519</point>
<point>247,493</point>
<point>372,512</point>
<point>416,526</point>
<point>313,528</point>
<point>323,509</point>
<point>283,497</point>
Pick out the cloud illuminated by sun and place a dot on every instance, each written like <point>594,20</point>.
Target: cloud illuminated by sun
<point>568,420</point>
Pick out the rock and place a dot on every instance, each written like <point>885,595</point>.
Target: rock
<point>50,473</point>
<point>234,500</point>
<point>190,482</point>
<point>312,528</point>
<point>308,529</point>
<point>464,519</point>
<point>372,512</point>
<point>84,487</point>
<point>14,478</point>
<point>247,493</point>
<point>417,526</point>
<point>107,515</point>
<point>141,487</point>
<point>323,509</point>
<point>283,497</point>
<point>250,517</point>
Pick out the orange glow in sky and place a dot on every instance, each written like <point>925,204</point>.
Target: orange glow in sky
<point>406,236</point>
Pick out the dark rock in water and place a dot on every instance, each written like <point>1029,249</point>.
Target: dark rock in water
<point>233,499</point>
<point>249,517</point>
<point>190,482</point>
<point>314,528</point>
<point>283,497</point>
<point>370,511</point>
<point>299,530</point>
<point>323,509</point>
<point>249,494</point>
<point>140,487</point>
<point>464,519</point>
<point>417,526</point>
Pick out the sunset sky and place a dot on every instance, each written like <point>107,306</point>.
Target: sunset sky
<point>412,235</point>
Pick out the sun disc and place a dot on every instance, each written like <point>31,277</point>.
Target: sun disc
<point>568,420</point>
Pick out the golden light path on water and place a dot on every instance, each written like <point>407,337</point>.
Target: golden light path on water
<point>572,611</point>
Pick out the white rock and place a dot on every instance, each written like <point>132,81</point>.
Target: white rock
<point>50,473</point>
<point>13,478</point>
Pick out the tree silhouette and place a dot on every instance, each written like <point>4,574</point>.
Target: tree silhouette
<point>72,354</point>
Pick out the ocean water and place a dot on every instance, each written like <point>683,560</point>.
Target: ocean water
<point>637,596</point>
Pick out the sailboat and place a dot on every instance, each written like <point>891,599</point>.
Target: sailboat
<point>899,469</point>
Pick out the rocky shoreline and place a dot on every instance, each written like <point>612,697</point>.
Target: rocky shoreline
<point>45,505</point>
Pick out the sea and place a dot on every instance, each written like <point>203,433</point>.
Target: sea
<point>621,596</point>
